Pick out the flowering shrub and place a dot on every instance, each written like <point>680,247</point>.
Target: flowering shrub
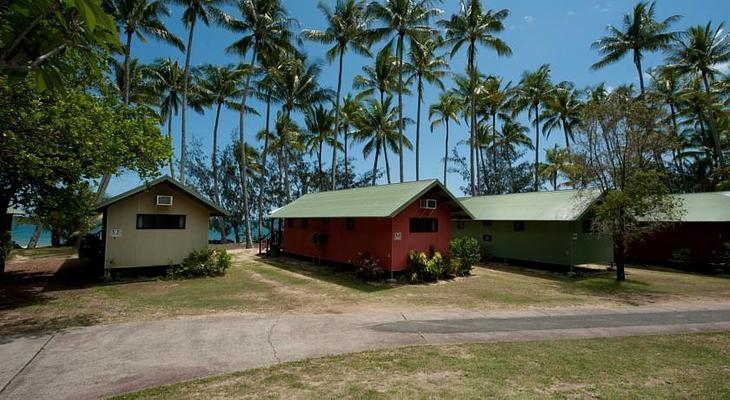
<point>422,268</point>
<point>369,267</point>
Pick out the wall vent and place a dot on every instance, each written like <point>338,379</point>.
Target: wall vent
<point>428,204</point>
<point>164,200</point>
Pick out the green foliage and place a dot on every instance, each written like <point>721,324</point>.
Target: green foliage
<point>204,262</point>
<point>66,211</point>
<point>422,268</point>
<point>464,252</point>
<point>369,267</point>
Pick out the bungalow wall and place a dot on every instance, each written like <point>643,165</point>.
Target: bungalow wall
<point>547,242</point>
<point>693,242</point>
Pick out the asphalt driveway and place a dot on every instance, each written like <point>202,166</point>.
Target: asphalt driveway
<point>103,360</point>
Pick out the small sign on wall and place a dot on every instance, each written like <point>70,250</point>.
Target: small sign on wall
<point>397,236</point>
<point>115,232</point>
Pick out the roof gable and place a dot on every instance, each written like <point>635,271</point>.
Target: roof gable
<point>164,179</point>
<point>562,205</point>
<point>372,201</point>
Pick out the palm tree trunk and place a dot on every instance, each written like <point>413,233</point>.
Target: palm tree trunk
<point>375,163</point>
<point>537,146</point>
<point>481,160</point>
<point>508,156</point>
<point>498,182</point>
<point>286,160</point>
<point>387,162</point>
<point>33,242</point>
<point>214,161</point>
<point>337,121</point>
<point>418,124</point>
<point>319,166</point>
<point>566,131</point>
<point>401,44</point>
<point>262,180</point>
<point>127,60</point>
<point>637,61</point>
<point>347,177</point>
<point>446,150</point>
<point>675,133</point>
<point>712,121</point>
<point>169,136</point>
<point>472,118</point>
<point>243,163</point>
<point>183,126</point>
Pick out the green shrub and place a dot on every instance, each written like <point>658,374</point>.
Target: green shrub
<point>369,267</point>
<point>451,267</point>
<point>421,268</point>
<point>204,262</point>
<point>467,253</point>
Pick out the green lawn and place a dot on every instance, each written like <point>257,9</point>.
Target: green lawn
<point>649,367</point>
<point>42,252</point>
<point>30,303</point>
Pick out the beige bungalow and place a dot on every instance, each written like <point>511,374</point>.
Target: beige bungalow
<point>156,224</point>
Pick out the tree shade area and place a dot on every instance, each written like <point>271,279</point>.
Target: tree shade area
<point>79,107</point>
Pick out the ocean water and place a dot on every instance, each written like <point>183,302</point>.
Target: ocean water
<point>21,234</point>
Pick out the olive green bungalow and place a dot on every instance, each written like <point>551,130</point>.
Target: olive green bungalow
<point>541,227</point>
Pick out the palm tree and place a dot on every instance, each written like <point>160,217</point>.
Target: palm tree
<point>558,163</point>
<point>320,123</point>
<point>534,89</point>
<point>640,32</point>
<point>141,91</point>
<point>297,89</point>
<point>374,123</point>
<point>514,135</point>
<point>349,109</point>
<point>404,19</point>
<point>218,85</point>
<point>562,110</point>
<point>475,26</point>
<point>665,89</point>
<point>439,113</point>
<point>494,99</point>
<point>424,65</point>
<point>194,10</point>
<point>700,50</point>
<point>348,27</point>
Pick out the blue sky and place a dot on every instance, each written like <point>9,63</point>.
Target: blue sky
<point>555,32</point>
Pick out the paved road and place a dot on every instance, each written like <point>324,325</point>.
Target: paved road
<point>98,361</point>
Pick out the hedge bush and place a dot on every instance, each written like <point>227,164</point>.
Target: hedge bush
<point>204,262</point>
<point>422,268</point>
<point>465,252</point>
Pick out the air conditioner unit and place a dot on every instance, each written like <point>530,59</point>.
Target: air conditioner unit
<point>164,200</point>
<point>428,204</point>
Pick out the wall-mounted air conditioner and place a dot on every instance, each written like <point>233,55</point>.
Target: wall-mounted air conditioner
<point>164,200</point>
<point>428,204</point>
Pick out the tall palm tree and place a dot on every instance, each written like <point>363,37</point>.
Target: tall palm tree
<point>320,123</point>
<point>296,89</point>
<point>218,85</point>
<point>403,19</point>
<point>640,32</point>
<point>348,28</point>
<point>666,89</point>
<point>494,100</point>
<point>534,89</point>
<point>195,10</point>
<point>700,50</point>
<point>562,110</point>
<point>141,91</point>
<point>349,110</point>
<point>424,64</point>
<point>557,163</point>
<point>514,136</point>
<point>475,27</point>
<point>266,30</point>
<point>446,109</point>
<point>374,123</point>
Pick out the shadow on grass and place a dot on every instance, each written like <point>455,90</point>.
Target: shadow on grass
<point>334,274</point>
<point>33,327</point>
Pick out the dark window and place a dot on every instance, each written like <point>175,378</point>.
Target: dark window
<point>459,224</point>
<point>587,226</point>
<point>487,238</point>
<point>305,222</point>
<point>519,226</point>
<point>350,224</point>
<point>289,223</point>
<point>424,225</point>
<point>486,223</point>
<point>160,221</point>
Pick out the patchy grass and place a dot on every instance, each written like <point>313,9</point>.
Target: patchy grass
<point>36,296</point>
<point>649,367</point>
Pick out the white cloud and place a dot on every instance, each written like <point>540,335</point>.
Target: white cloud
<point>723,67</point>
<point>529,19</point>
<point>571,13</point>
<point>602,9</point>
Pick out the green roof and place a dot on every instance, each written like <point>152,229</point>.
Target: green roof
<point>705,207</point>
<point>371,201</point>
<point>164,179</point>
<point>563,205</point>
<point>15,211</point>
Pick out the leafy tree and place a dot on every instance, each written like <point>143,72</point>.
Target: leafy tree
<point>475,26</point>
<point>446,109</point>
<point>640,32</point>
<point>320,123</point>
<point>403,19</point>
<point>348,28</point>
<point>65,210</point>
<point>613,153</point>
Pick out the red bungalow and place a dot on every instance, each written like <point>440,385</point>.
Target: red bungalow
<point>385,221</point>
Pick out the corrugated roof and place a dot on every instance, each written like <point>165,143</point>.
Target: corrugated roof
<point>163,179</point>
<point>705,207</point>
<point>562,205</point>
<point>371,201</point>
<point>15,211</point>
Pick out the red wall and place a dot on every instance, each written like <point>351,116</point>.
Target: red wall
<point>703,239</point>
<point>374,235</point>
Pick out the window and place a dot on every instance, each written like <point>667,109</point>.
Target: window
<point>289,223</point>
<point>459,225</point>
<point>487,238</point>
<point>350,224</point>
<point>305,222</point>
<point>587,226</point>
<point>519,226</point>
<point>160,221</point>
<point>429,204</point>
<point>424,225</point>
